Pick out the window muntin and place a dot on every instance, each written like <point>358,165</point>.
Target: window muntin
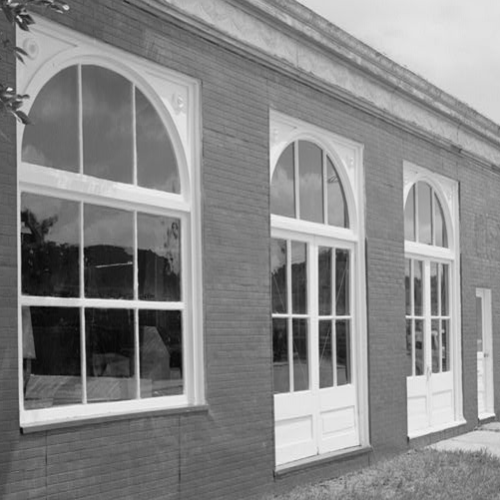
<point>424,217</point>
<point>306,186</point>
<point>101,277</point>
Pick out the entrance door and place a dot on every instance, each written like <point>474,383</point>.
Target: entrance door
<point>314,378</point>
<point>430,384</point>
<point>484,357</point>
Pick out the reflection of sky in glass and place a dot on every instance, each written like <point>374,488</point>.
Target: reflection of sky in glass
<point>156,162</point>
<point>440,238</point>
<point>52,138</point>
<point>410,215</point>
<point>62,213</point>
<point>424,213</point>
<point>311,182</point>
<point>337,208</point>
<point>107,124</point>
<point>282,188</point>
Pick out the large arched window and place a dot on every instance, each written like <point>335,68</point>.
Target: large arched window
<point>106,219</point>
<point>317,314</point>
<point>432,340</point>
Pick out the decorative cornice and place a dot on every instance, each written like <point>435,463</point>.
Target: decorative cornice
<point>308,45</point>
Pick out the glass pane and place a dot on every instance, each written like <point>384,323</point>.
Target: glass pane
<point>52,140</point>
<point>159,255</point>
<point>156,162</point>
<point>418,287</point>
<point>160,353</point>
<point>342,282</point>
<point>410,215</point>
<point>424,213</point>
<point>300,355</point>
<point>110,355</point>
<point>343,335</point>
<point>479,323</point>
<point>325,354</point>
<point>337,206</point>
<point>408,280</point>
<point>311,181</point>
<point>325,281</point>
<point>279,275</point>
<point>107,124</point>
<point>283,185</point>
<point>409,325</point>
<point>50,243</point>
<point>51,357</point>
<point>435,348</point>
<point>445,295</point>
<point>281,367</point>
<point>299,278</point>
<point>445,345</point>
<point>440,236</point>
<point>434,289</point>
<point>419,347</point>
<point>108,253</point>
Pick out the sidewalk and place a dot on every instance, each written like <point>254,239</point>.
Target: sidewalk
<point>486,437</point>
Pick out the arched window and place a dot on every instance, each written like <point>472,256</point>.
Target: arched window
<point>106,218</point>
<point>316,309</point>
<point>431,277</point>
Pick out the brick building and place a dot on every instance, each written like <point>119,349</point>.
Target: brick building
<point>239,250</point>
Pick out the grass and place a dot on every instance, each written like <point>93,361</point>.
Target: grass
<point>416,475</point>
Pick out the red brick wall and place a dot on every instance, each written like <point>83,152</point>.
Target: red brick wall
<point>228,451</point>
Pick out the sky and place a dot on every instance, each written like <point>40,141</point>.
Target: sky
<point>454,44</point>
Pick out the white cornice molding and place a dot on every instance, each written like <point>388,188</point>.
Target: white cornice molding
<point>294,36</point>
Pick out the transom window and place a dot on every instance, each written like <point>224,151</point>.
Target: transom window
<point>424,218</point>
<point>105,298</point>
<point>306,186</point>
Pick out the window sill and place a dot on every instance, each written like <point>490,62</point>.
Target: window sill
<point>320,460</point>
<point>98,419</point>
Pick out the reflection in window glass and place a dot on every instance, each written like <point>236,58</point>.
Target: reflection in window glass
<point>281,367</point>
<point>160,351</point>
<point>343,352</point>
<point>107,124</point>
<point>435,345</point>
<point>409,343</point>
<point>51,357</point>
<point>440,236</point>
<point>325,280</point>
<point>283,185</point>
<point>342,282</point>
<point>424,213</point>
<point>445,345</point>
<point>156,162</point>
<point>418,287</point>
<point>300,355</point>
<point>410,215</point>
<point>434,289</point>
<point>110,355</point>
<point>311,182</point>
<point>108,252</point>
<point>419,347</point>
<point>408,282</point>
<point>445,294</point>
<point>50,242</point>
<point>479,323</point>
<point>325,354</point>
<point>279,275</point>
<point>159,254</point>
<point>299,278</point>
<point>53,137</point>
<point>337,206</point>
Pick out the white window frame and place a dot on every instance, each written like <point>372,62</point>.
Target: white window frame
<point>176,98</point>
<point>347,157</point>
<point>446,191</point>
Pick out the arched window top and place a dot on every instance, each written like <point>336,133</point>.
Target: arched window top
<point>424,216</point>
<point>89,119</point>
<point>306,186</point>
